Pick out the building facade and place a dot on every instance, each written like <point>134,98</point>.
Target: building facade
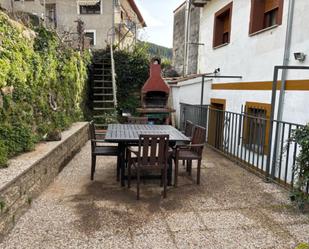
<point>105,21</point>
<point>243,42</point>
<point>248,39</point>
<point>186,38</point>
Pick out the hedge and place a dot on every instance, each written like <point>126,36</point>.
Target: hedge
<point>42,86</point>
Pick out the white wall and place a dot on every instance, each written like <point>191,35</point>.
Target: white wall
<point>254,57</point>
<point>189,92</point>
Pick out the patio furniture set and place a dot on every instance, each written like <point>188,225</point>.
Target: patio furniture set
<point>145,148</point>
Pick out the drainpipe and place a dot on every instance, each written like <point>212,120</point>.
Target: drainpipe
<point>286,59</point>
<point>113,22</point>
<point>188,38</point>
<point>187,15</point>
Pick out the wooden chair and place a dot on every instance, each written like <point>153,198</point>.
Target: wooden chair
<point>101,150</point>
<point>137,120</point>
<point>153,154</point>
<point>191,152</point>
<point>189,128</point>
<point>188,131</point>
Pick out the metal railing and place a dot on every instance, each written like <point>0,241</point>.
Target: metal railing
<point>195,113</point>
<point>113,76</point>
<point>244,138</point>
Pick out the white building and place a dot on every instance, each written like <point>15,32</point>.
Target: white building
<point>104,20</point>
<point>247,39</point>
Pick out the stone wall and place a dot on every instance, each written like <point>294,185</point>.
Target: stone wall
<point>29,174</point>
<point>179,39</point>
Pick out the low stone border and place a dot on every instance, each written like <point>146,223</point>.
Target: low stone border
<point>29,174</point>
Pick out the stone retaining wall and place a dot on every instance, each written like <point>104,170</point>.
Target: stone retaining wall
<point>29,174</point>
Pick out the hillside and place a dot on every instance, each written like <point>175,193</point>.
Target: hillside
<point>157,50</point>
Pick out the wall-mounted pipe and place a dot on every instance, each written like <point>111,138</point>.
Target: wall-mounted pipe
<point>186,40</point>
<point>271,164</point>
<point>286,58</point>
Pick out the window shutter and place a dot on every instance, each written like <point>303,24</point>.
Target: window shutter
<point>257,15</point>
<point>226,23</point>
<point>271,4</point>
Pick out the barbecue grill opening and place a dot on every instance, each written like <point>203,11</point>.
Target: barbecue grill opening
<point>155,99</point>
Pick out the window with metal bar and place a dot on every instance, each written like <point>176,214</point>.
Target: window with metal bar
<point>256,123</point>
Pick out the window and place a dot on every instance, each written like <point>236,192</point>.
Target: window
<point>256,126</point>
<point>91,7</point>
<point>90,35</point>
<point>222,26</point>
<point>265,14</point>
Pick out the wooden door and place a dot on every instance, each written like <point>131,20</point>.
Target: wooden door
<point>216,123</point>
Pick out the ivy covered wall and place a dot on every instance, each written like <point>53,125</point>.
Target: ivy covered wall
<point>42,86</point>
<point>132,71</point>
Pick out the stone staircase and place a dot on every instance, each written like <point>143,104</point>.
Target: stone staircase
<point>103,89</point>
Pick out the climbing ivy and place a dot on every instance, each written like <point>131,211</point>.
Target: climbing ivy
<point>301,170</point>
<point>42,86</point>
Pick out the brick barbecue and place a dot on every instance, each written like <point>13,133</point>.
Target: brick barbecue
<point>154,96</point>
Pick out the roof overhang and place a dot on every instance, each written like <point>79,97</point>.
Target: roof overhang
<point>138,13</point>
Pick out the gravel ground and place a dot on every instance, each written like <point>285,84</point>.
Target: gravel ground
<point>230,209</point>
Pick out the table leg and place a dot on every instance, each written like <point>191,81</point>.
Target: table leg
<point>122,149</point>
<point>170,166</point>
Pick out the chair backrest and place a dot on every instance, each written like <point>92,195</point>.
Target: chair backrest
<point>189,128</point>
<point>92,135</point>
<point>153,150</point>
<point>198,137</point>
<point>137,120</point>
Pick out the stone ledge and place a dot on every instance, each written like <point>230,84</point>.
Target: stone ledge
<point>29,174</point>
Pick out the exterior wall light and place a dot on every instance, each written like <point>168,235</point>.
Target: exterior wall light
<point>300,56</point>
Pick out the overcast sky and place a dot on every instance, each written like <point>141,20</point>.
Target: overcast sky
<point>158,15</point>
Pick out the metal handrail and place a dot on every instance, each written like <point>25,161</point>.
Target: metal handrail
<point>113,76</point>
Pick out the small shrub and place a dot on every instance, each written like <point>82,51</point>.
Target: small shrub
<point>302,246</point>
<point>3,154</point>
<point>301,170</point>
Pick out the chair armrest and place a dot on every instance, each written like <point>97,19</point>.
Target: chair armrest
<point>196,145</point>
<point>188,146</point>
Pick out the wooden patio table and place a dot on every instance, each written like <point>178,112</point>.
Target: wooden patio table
<point>125,134</point>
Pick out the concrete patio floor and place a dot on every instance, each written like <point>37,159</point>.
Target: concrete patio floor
<point>232,208</point>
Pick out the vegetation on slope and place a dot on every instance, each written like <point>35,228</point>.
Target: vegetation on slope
<point>42,86</point>
<point>155,50</point>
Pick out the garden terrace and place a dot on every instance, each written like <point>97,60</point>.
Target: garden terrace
<point>232,208</point>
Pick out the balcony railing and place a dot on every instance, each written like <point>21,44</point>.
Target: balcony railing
<point>244,138</point>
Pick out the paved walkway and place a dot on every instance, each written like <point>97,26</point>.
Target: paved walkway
<point>231,209</point>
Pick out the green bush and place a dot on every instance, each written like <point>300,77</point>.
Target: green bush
<point>301,170</point>
<point>42,86</point>
<point>3,154</point>
<point>132,71</point>
<point>302,246</point>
